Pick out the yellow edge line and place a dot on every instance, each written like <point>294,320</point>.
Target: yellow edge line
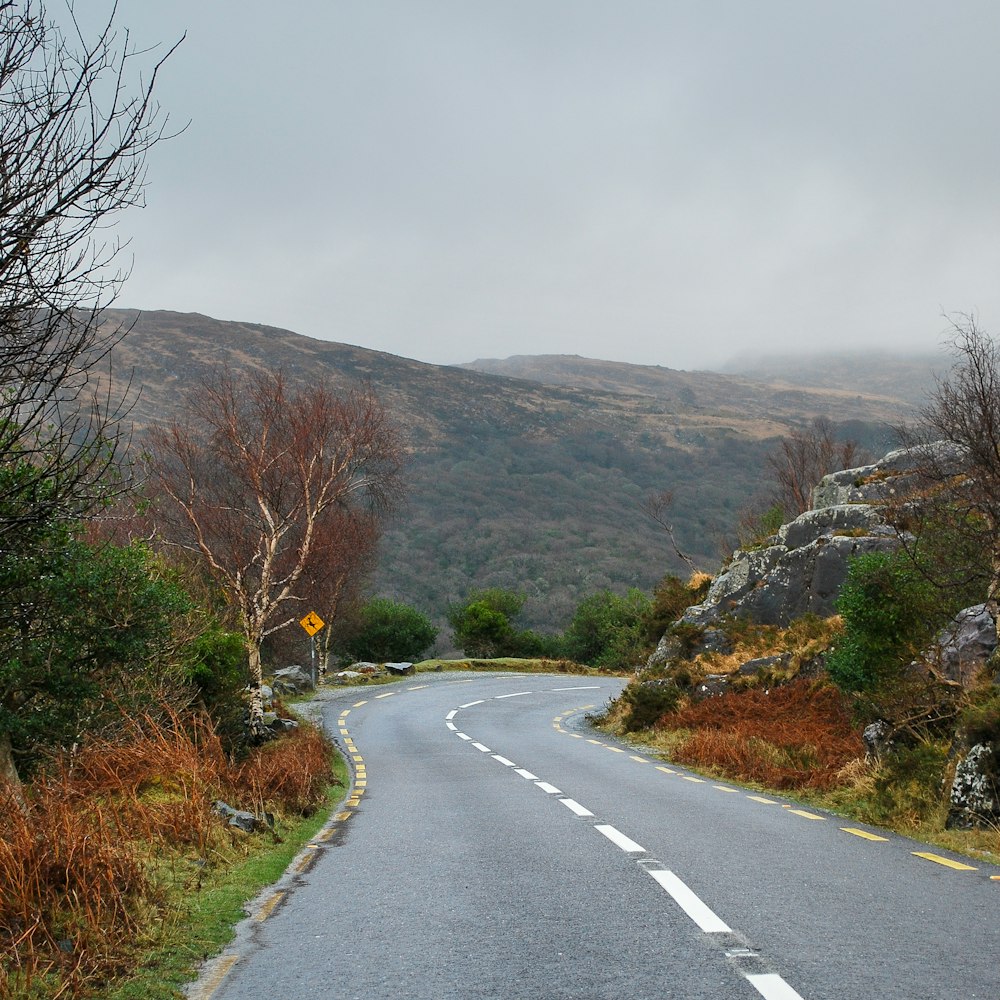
<point>947,862</point>
<point>864,834</point>
<point>268,908</point>
<point>214,980</point>
<point>804,814</point>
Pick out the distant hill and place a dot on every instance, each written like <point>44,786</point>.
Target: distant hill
<point>905,376</point>
<point>516,483</point>
<point>834,386</point>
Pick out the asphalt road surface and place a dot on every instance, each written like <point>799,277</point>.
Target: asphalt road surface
<point>495,846</point>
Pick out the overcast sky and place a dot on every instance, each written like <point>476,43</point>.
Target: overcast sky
<point>653,181</point>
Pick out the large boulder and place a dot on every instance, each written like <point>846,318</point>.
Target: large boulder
<point>963,648</point>
<point>801,569</point>
<point>800,572</point>
<point>292,680</point>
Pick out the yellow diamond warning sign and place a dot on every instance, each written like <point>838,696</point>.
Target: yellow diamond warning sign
<point>312,623</point>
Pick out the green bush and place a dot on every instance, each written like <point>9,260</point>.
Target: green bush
<point>891,612</point>
<point>483,627</point>
<point>609,630</point>
<point>646,701</point>
<point>390,632</point>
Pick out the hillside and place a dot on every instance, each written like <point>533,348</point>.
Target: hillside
<point>517,484</point>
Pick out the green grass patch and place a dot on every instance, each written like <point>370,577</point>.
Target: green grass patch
<point>514,664</point>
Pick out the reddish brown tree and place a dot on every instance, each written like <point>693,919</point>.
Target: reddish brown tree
<point>273,488</point>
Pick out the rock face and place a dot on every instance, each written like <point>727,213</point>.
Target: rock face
<point>801,569</point>
<point>975,797</point>
<point>800,572</point>
<point>964,647</point>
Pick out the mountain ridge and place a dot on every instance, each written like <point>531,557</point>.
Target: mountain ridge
<point>512,482</point>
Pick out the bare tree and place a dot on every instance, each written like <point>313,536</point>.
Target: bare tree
<point>261,483</point>
<point>954,506</point>
<point>77,118</point>
<point>803,458</point>
<point>657,507</point>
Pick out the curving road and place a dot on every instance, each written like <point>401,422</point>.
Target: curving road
<point>494,846</point>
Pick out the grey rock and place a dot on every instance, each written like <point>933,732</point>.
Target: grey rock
<point>775,585</point>
<point>764,663</point>
<point>293,680</point>
<point>975,799</point>
<point>348,675</point>
<point>267,695</point>
<point>714,640</point>
<point>399,669</point>
<point>891,476</point>
<point>238,818</point>
<point>876,738</point>
<point>963,647</point>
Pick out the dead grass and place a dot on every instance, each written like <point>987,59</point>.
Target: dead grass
<point>803,640</point>
<point>81,866</point>
<point>798,735</point>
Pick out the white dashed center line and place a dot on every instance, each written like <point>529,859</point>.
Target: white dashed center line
<point>619,839</point>
<point>691,904</point>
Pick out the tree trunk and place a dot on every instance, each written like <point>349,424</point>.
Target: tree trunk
<point>10,780</point>
<point>255,718</point>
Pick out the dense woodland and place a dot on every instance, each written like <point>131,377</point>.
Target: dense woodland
<point>513,483</point>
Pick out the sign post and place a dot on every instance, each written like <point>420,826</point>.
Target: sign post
<point>312,623</point>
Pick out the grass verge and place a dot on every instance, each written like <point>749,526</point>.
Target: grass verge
<point>200,926</point>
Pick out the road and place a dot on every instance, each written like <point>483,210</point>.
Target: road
<point>494,846</point>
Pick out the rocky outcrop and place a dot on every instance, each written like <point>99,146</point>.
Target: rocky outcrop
<point>800,571</point>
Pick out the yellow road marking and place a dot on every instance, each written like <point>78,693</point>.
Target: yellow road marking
<point>597,743</point>
<point>419,687</point>
<point>947,862</point>
<point>639,760</point>
<point>687,777</point>
<point>357,758</point>
<point>358,704</point>
<point>326,834</point>
<point>266,910</point>
<point>995,878</point>
<point>724,788</point>
<point>576,736</point>
<point>804,814</point>
<point>760,798</point>
<point>214,980</point>
<point>361,784</point>
<point>865,834</point>
<point>388,694</point>
<point>346,712</point>
<point>345,732</point>
<point>341,816</point>
<point>666,770</point>
<point>615,749</point>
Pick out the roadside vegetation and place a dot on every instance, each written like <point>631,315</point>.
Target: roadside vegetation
<point>787,708</point>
